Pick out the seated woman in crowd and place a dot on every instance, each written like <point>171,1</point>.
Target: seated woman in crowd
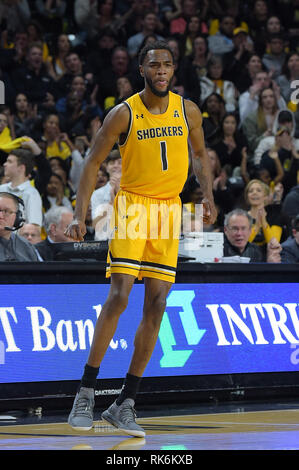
<point>54,194</point>
<point>272,26</point>
<point>244,80</point>
<point>213,111</point>
<point>268,219</point>
<point>290,73</point>
<point>194,67</point>
<point>282,158</point>
<point>231,142</point>
<point>194,28</point>
<point>25,117</point>
<point>57,143</point>
<point>256,17</point>
<point>124,89</point>
<point>259,124</point>
<point>271,179</point>
<point>60,167</point>
<point>56,62</point>
<point>73,120</point>
<point>214,82</point>
<point>88,100</point>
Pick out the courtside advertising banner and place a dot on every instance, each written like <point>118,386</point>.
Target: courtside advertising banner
<point>46,330</point>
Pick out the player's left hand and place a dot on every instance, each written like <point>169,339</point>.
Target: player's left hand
<point>76,230</point>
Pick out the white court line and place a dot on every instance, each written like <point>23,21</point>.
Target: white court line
<point>186,421</point>
<point>42,426</point>
<point>221,413</point>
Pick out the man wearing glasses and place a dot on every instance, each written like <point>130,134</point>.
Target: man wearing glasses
<point>237,228</point>
<point>12,246</point>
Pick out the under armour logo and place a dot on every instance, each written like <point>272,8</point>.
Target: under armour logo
<point>176,114</point>
<point>137,116</point>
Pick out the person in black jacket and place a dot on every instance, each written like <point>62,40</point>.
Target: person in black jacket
<point>235,62</point>
<point>56,221</point>
<point>290,248</point>
<point>291,202</point>
<point>231,141</point>
<point>33,79</point>
<point>237,228</point>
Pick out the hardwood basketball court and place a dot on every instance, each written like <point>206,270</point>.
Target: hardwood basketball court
<point>256,427</point>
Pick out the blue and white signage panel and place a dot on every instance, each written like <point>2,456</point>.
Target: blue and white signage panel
<point>46,330</point>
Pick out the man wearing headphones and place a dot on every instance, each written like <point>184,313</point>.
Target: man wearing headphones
<point>12,246</point>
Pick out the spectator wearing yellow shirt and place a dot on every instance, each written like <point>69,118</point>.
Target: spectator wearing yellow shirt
<point>268,220</point>
<point>58,143</point>
<point>7,143</point>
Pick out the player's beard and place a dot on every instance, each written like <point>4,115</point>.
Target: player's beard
<point>154,90</point>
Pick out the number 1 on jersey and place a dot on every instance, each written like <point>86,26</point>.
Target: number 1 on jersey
<point>163,152</point>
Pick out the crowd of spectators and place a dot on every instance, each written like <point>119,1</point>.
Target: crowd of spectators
<point>65,64</point>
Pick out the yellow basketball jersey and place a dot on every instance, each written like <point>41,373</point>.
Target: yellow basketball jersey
<point>155,152</point>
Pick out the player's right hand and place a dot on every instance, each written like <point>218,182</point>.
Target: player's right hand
<point>76,230</point>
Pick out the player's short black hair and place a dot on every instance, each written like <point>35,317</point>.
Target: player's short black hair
<point>154,46</point>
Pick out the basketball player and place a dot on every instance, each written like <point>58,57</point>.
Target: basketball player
<point>152,129</point>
